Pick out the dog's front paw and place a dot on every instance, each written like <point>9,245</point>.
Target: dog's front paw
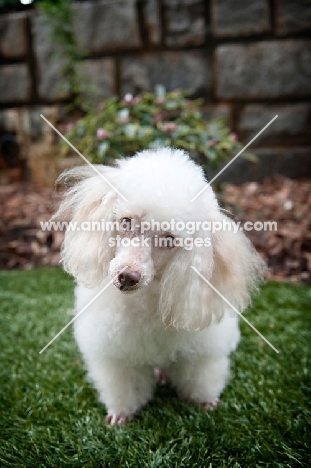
<point>118,419</point>
<point>208,405</point>
<point>161,376</point>
<point>211,405</point>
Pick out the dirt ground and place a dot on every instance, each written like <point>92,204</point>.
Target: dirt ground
<point>287,250</point>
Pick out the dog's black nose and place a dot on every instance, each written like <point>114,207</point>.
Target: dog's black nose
<point>129,278</point>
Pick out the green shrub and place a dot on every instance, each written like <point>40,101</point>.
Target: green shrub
<point>121,127</point>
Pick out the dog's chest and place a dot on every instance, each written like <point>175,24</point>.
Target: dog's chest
<point>144,341</point>
<point>131,329</point>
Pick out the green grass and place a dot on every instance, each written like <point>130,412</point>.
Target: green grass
<point>50,416</point>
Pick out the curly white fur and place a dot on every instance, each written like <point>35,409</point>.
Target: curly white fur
<point>171,318</point>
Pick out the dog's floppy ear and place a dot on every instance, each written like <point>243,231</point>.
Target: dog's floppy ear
<point>230,264</point>
<point>238,268</point>
<point>88,202</point>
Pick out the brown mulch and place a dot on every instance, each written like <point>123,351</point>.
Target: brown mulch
<point>23,244</point>
<point>287,250</point>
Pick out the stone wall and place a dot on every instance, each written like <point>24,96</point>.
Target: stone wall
<point>249,59</point>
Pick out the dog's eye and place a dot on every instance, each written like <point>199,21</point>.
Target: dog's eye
<point>126,224</point>
<point>169,241</point>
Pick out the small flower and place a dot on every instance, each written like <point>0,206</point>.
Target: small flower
<point>169,127</point>
<point>136,99</point>
<point>123,116</point>
<point>102,134</point>
<point>100,107</point>
<point>234,136</point>
<point>159,117</point>
<point>211,143</point>
<point>128,98</point>
<point>69,126</point>
<point>159,100</point>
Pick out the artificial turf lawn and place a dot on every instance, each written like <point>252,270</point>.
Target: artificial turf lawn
<point>50,416</point>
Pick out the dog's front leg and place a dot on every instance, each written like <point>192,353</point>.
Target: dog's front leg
<point>123,389</point>
<point>201,380</point>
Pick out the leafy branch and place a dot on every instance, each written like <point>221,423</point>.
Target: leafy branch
<point>150,120</point>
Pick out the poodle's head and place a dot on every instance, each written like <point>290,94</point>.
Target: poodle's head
<point>137,223</point>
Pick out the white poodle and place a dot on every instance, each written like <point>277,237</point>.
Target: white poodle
<point>155,312</point>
